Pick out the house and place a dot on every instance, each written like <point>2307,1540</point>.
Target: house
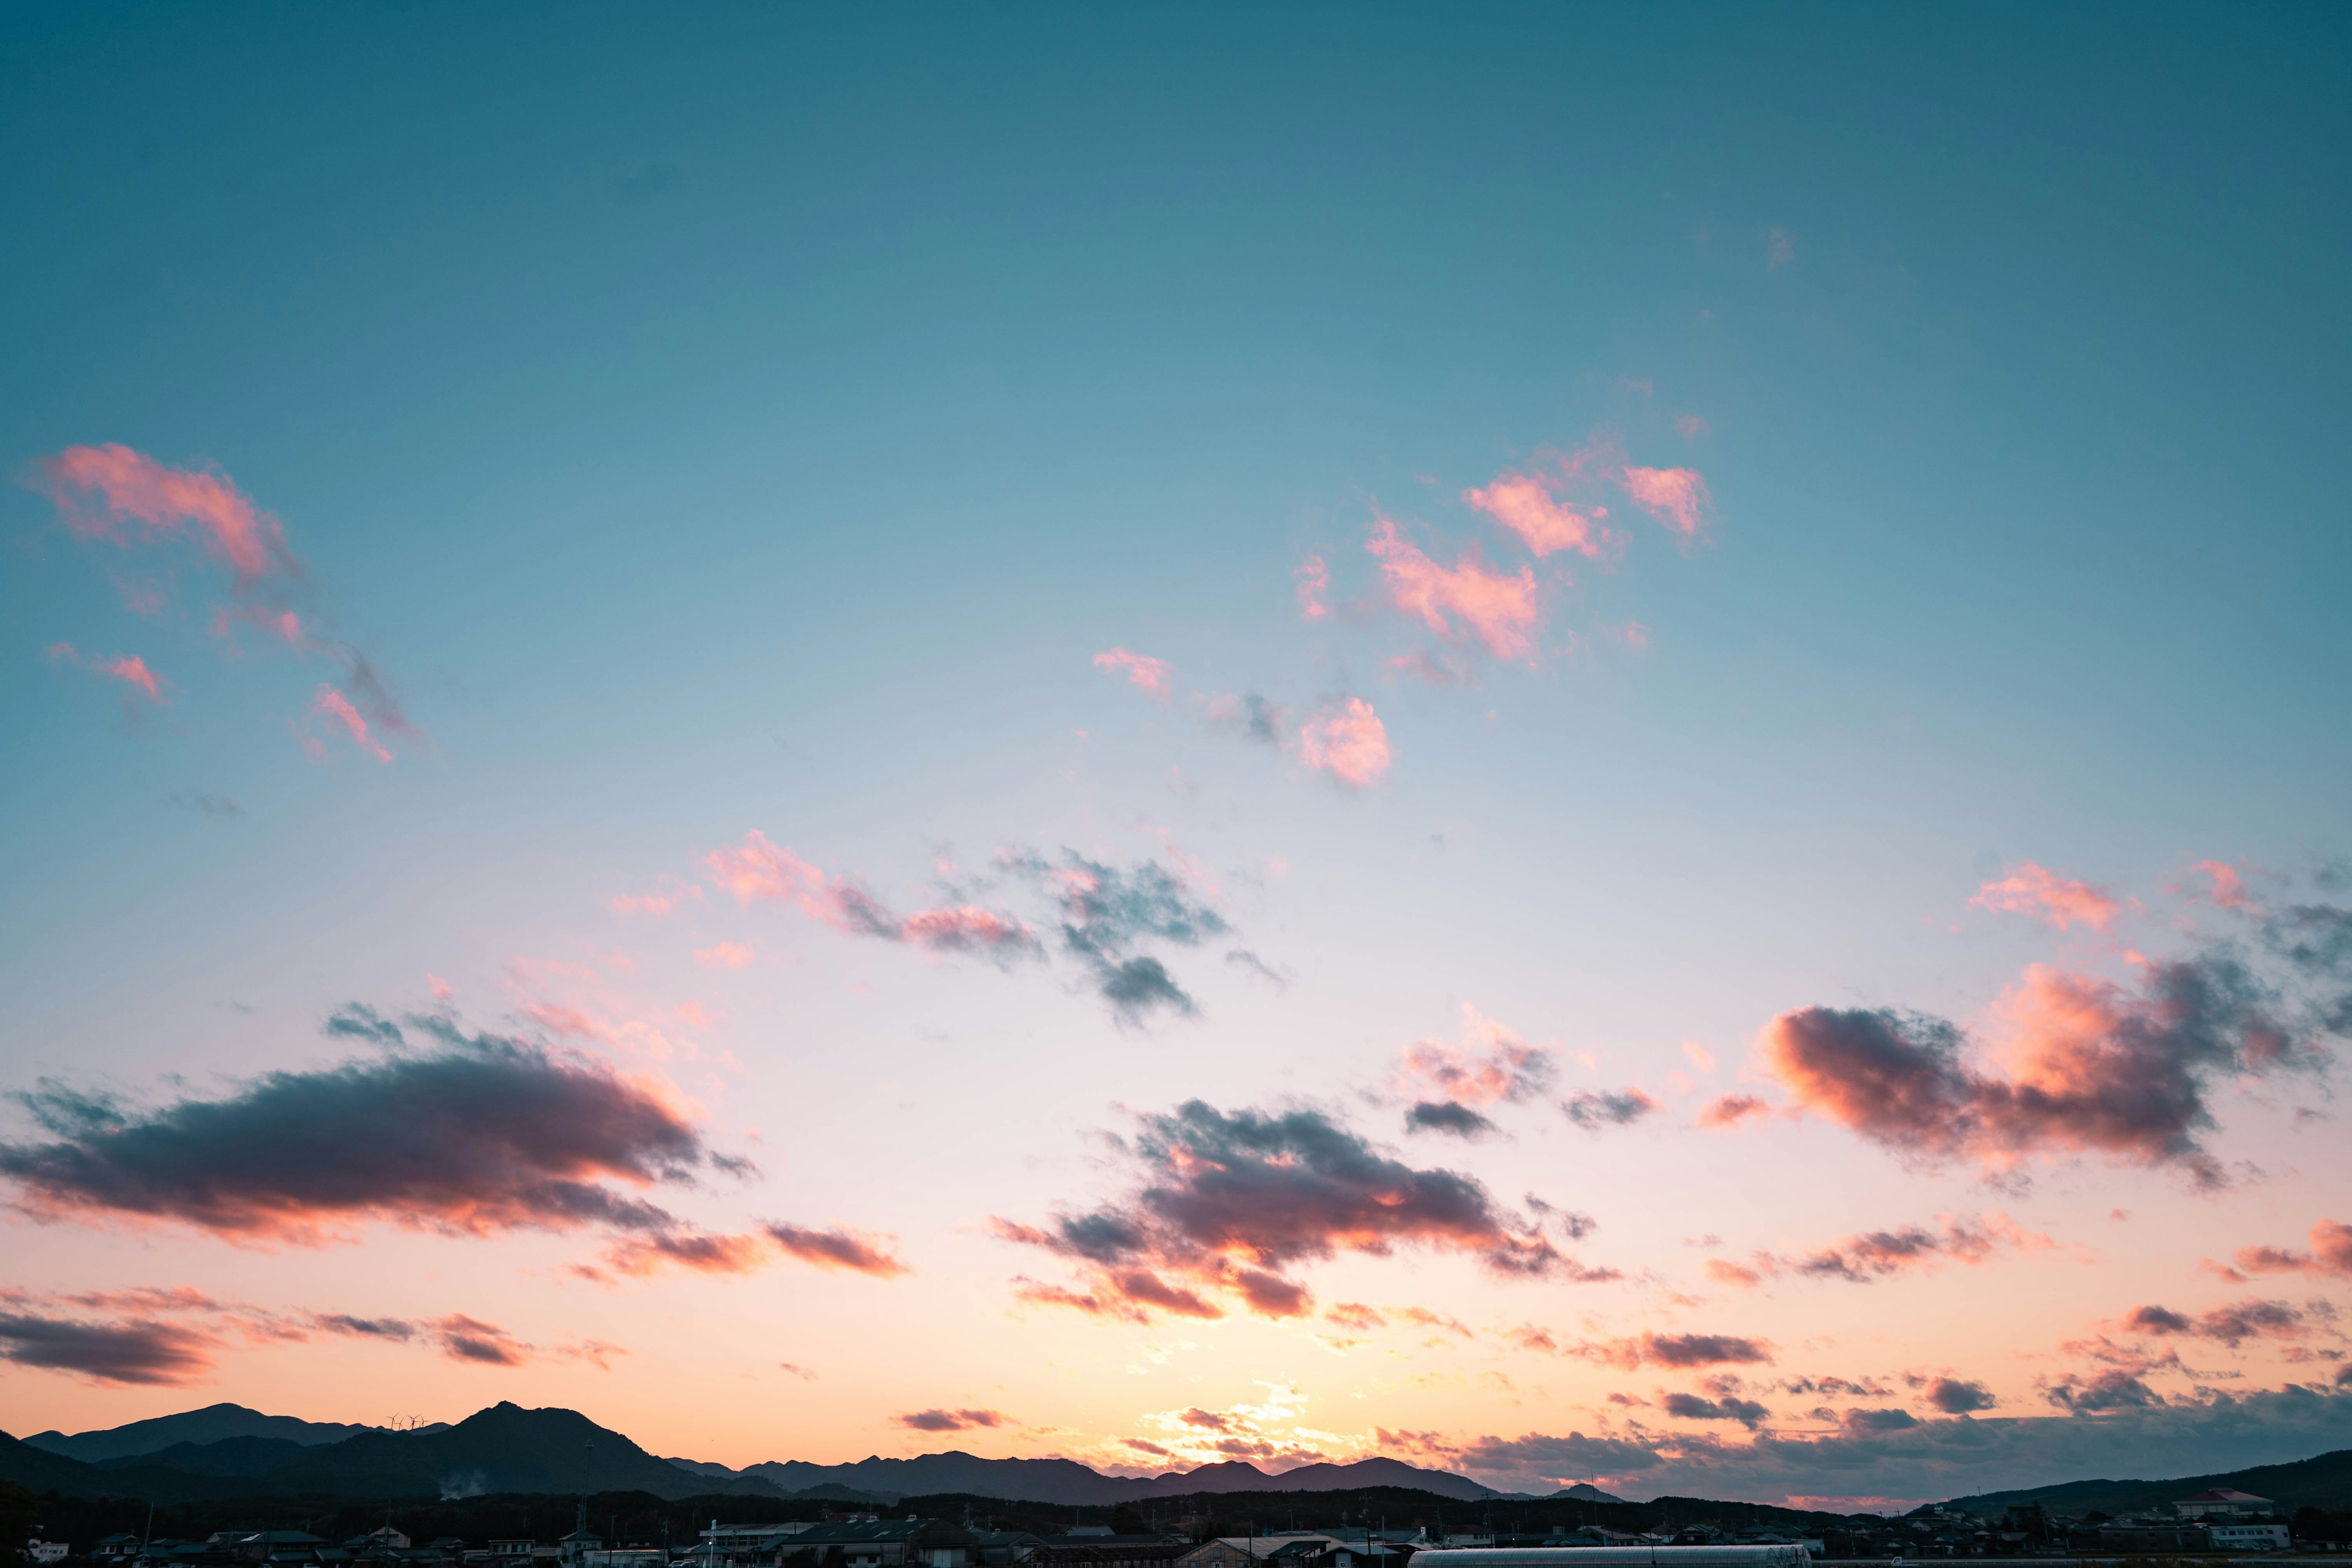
<point>2237,1535</point>
<point>571,1548</point>
<point>748,1543</point>
<point>45,1552</point>
<point>2223,1503</point>
<point>1005,1548</point>
<point>886,1543</point>
<point>116,1548</point>
<point>379,1539</point>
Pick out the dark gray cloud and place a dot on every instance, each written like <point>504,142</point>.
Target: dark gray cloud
<point>2109,1427</point>
<point>1593,1111</point>
<point>1446,1116</point>
<point>476,1134</point>
<point>1956,1396</point>
<point>1691,1407</point>
<point>1107,914</point>
<point>1230,1203</point>
<point>951,1420</point>
<point>2229,1324</point>
<point>2096,1068</point>
<point>125,1352</point>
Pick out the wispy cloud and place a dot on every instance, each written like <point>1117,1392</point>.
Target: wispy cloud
<point>1875,1255</point>
<point>1144,673</point>
<point>130,668</point>
<point>2061,901</point>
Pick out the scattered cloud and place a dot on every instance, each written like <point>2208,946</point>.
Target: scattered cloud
<point>1314,578</point>
<point>1676,498</point>
<point>129,669</point>
<point>130,1351</point>
<point>1778,249</point>
<point>112,493</point>
<point>2085,1067</point>
<point>1731,1109</point>
<point>1464,602</point>
<point>1446,1116</point>
<point>1877,1254</point>
<point>478,1134</point>
<point>1691,426</point>
<point>2331,1253</point>
<point>1145,674</point>
<point>726,955</point>
<point>951,1420</point>
<point>1225,1204</point>
<point>1691,1407</point>
<point>2224,885</point>
<point>1345,739</point>
<point>1489,1064</point>
<point>855,1251</point>
<point>329,703</point>
<point>2061,901</point>
<point>1525,504</point>
<point>1956,1396</point>
<point>2228,1325</point>
<point>1593,1109</point>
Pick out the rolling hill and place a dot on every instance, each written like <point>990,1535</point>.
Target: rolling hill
<point>2322,1482</point>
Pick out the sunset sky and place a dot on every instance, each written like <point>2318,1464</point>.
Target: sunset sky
<point>1573,743</point>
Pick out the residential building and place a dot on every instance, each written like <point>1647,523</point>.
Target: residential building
<point>45,1552</point>
<point>2222,1502</point>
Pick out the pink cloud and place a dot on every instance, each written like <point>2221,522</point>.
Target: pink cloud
<point>1676,497</point>
<point>2029,890</point>
<point>1347,740</point>
<point>101,490</point>
<point>1690,427</point>
<point>758,870</point>
<point>127,668</point>
<point>726,955</point>
<point>2331,1253</point>
<point>655,903</point>
<point>1145,673</point>
<point>1490,1063</point>
<point>1525,504</point>
<point>1435,668</point>
<point>283,625</point>
<point>1732,1109</point>
<point>1497,609</point>
<point>1314,583</point>
<point>330,703</point>
<point>1778,249</point>
<point>2229,889</point>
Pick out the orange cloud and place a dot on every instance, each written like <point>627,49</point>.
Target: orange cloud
<point>1347,740</point>
<point>1143,672</point>
<point>1525,505</point>
<point>2084,1066</point>
<point>1489,1064</point>
<point>1498,610</point>
<point>2331,1253</point>
<point>2062,902</point>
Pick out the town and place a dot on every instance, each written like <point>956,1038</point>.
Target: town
<point>2219,1522</point>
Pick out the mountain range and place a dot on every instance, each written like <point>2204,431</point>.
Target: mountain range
<point>228,1450</point>
<point>2322,1482</point>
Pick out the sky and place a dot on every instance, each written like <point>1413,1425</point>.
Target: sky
<point>1578,743</point>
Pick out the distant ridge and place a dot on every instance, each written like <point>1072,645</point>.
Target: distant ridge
<point>2323,1480</point>
<point>228,1450</point>
<point>1069,1482</point>
<point>210,1424</point>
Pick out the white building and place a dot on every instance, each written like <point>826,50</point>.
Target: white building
<point>2233,1536</point>
<point>2222,1503</point>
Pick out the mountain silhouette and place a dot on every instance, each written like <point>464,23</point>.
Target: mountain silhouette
<point>210,1424</point>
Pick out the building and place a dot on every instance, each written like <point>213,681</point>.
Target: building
<point>2238,1535</point>
<point>2223,1503</point>
<point>747,1543</point>
<point>376,1540</point>
<point>45,1552</point>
